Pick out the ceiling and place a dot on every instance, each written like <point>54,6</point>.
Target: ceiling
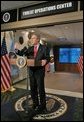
<point>71,33</point>
<point>8,5</point>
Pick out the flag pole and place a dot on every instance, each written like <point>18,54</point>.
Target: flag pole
<point>11,87</point>
<point>4,34</point>
<point>5,67</point>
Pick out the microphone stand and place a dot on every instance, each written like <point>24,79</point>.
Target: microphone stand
<point>28,112</point>
<point>27,97</point>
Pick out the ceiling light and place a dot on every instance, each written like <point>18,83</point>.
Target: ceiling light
<point>66,27</point>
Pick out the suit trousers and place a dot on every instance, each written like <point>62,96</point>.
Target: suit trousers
<point>37,87</point>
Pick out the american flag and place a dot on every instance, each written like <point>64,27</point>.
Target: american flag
<point>5,68</point>
<point>80,65</point>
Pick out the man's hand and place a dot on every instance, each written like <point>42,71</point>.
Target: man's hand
<point>43,62</point>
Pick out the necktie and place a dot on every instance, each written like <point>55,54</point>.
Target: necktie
<point>35,50</point>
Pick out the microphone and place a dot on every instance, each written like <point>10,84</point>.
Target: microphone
<point>16,51</point>
<point>21,52</point>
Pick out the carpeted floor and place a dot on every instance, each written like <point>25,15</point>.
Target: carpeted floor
<point>59,108</point>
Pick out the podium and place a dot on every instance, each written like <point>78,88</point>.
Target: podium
<point>22,62</point>
<point>29,62</point>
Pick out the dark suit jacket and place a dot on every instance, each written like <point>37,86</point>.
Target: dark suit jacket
<point>42,54</point>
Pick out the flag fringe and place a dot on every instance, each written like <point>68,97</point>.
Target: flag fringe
<point>11,89</point>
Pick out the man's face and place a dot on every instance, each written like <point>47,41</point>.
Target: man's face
<point>34,39</point>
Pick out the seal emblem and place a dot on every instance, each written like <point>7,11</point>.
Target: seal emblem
<point>52,102</point>
<point>21,61</point>
<point>6,17</point>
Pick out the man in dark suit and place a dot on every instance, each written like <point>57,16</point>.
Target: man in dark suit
<point>37,73</point>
